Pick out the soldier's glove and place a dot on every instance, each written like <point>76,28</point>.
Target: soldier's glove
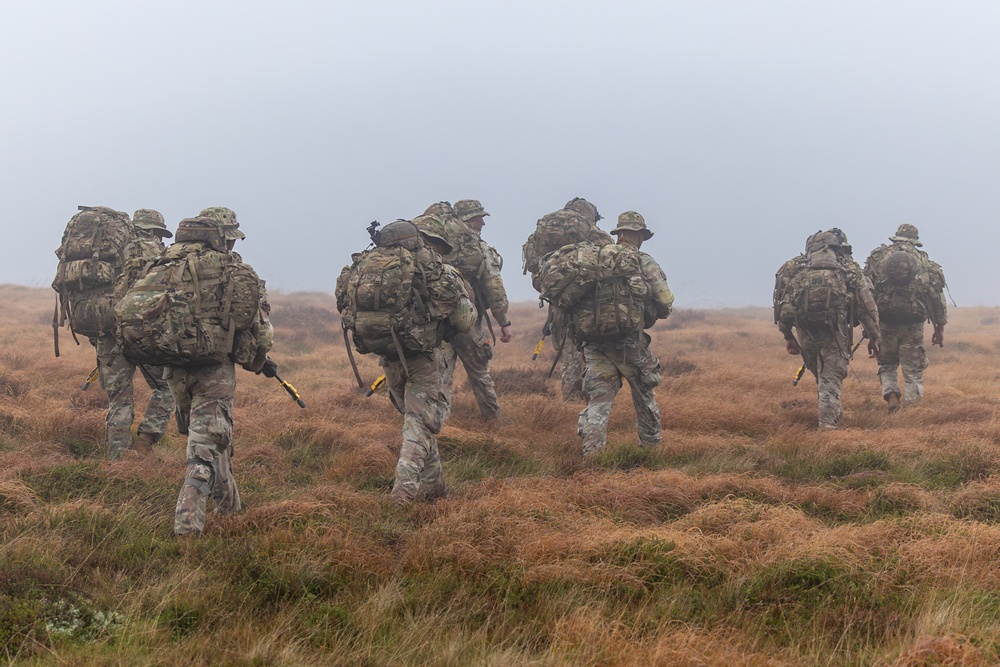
<point>269,369</point>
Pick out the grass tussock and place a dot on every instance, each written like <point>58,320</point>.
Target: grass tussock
<point>747,537</point>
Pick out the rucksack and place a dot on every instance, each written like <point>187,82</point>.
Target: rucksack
<point>396,301</point>
<point>555,230</point>
<point>817,293</point>
<point>189,307</point>
<point>565,275</point>
<point>613,307</point>
<point>91,256</point>
<point>904,282</point>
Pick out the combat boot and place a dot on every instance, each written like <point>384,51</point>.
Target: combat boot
<point>893,401</point>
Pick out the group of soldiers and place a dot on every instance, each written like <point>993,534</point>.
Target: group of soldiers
<point>451,285</point>
<point>821,295</point>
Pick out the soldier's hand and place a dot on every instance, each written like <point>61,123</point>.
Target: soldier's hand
<point>506,334</point>
<point>792,346</point>
<point>873,349</point>
<point>937,338</point>
<point>269,369</point>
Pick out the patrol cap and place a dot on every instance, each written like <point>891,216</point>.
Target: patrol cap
<point>227,218</point>
<point>147,218</point>
<point>907,232</point>
<point>466,209</point>
<point>630,221</point>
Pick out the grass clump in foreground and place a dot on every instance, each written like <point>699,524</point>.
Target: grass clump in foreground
<point>746,538</point>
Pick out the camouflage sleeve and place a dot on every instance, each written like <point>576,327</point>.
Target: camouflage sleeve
<point>938,302</point>
<point>661,298</point>
<point>867,311</point>
<point>491,286</point>
<point>464,317</point>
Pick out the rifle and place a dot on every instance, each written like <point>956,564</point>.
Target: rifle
<point>270,370</point>
<point>376,385</point>
<point>91,379</point>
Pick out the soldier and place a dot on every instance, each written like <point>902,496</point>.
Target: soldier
<point>625,354</point>
<point>405,322</point>
<point>480,266</point>
<point>908,290</point>
<point>117,372</point>
<point>575,222</point>
<point>204,396</point>
<point>823,294</point>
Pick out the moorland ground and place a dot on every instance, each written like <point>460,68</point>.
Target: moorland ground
<point>747,538</point>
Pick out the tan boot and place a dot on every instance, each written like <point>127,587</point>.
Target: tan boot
<point>144,443</point>
<point>893,400</point>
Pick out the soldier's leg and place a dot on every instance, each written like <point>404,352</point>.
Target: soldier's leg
<point>475,351</point>
<point>447,358</point>
<point>209,436</point>
<point>913,360</point>
<point>888,360</point>
<point>643,376</point>
<point>423,414</point>
<point>573,365</point>
<point>832,362</point>
<point>160,405</point>
<point>116,379</point>
<point>601,382</point>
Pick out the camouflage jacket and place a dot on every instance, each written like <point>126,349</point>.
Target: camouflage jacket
<point>490,291</point>
<point>661,299</point>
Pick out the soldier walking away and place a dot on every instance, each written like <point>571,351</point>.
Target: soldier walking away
<point>819,297</point>
<point>100,250</point>
<point>479,265</point>
<point>574,223</point>
<point>611,293</point>
<point>400,300</point>
<point>217,317</point>
<point>909,290</point>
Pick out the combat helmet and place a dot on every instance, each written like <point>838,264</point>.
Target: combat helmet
<point>202,229</point>
<point>822,240</point>
<point>401,233</point>
<point>440,208</point>
<point>584,208</point>
<point>227,218</point>
<point>630,221</point>
<point>907,232</point>
<point>148,219</point>
<point>433,227</point>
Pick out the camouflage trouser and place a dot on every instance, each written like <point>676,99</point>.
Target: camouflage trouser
<point>827,357</point>
<point>571,359</point>
<point>117,374</point>
<point>424,411</point>
<point>205,405</point>
<point>902,346</point>
<point>607,365</point>
<point>475,351</point>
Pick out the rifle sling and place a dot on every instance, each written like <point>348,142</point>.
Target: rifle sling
<point>354,365</point>
<point>558,355</point>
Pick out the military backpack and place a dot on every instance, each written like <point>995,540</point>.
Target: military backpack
<point>195,305</point>
<point>555,230</point>
<point>91,257</point>
<point>817,293</point>
<point>612,307</point>
<point>906,283</point>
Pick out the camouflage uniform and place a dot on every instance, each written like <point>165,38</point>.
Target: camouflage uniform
<point>204,397</point>
<point>571,359</point>
<point>902,345</point>
<point>826,348</point>
<point>117,372</point>
<point>631,359</point>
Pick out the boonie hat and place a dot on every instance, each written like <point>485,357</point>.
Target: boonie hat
<point>147,218</point>
<point>227,218</point>
<point>907,232</point>
<point>630,221</point>
<point>466,209</point>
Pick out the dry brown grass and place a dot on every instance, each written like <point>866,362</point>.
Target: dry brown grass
<point>747,538</point>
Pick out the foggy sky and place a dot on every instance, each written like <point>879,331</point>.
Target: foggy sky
<point>736,128</point>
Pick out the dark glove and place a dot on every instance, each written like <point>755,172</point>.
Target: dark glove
<point>269,369</point>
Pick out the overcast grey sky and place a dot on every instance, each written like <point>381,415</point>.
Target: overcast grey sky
<point>735,127</point>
